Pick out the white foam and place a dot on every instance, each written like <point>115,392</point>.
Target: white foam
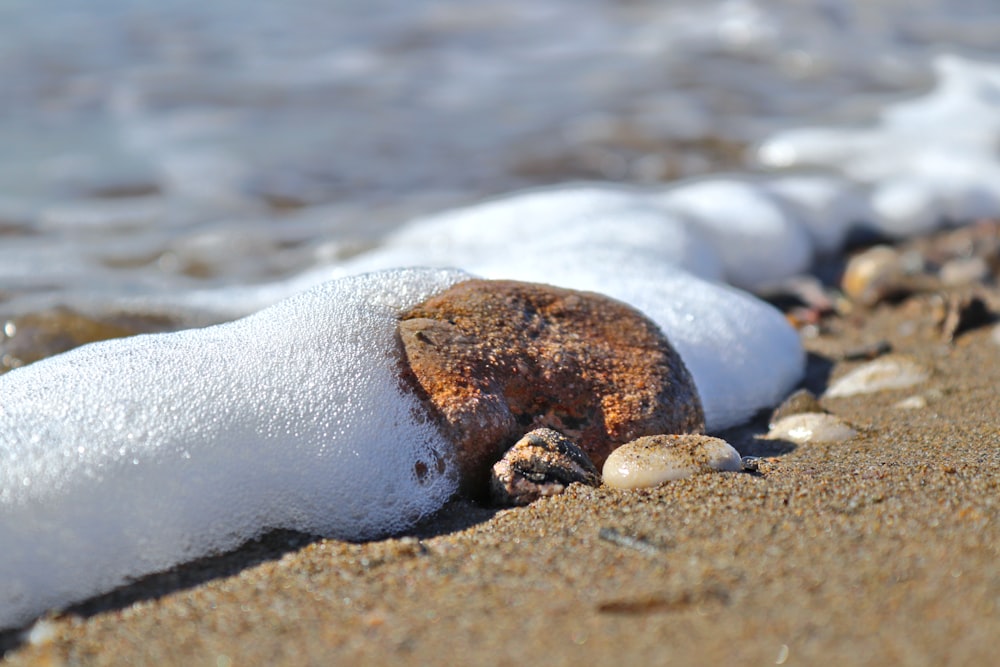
<point>547,221</point>
<point>826,206</point>
<point>930,160</point>
<point>129,456</point>
<point>758,240</point>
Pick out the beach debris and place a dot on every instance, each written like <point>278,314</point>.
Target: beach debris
<point>803,299</point>
<point>811,427</point>
<point>964,312</point>
<point>915,402</point>
<point>799,401</point>
<point>964,271</point>
<point>629,541</point>
<point>494,359</point>
<point>867,351</point>
<point>674,602</point>
<point>652,460</point>
<point>888,372</point>
<point>542,463</point>
<point>873,275</point>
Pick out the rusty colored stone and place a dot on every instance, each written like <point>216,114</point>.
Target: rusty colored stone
<point>495,359</point>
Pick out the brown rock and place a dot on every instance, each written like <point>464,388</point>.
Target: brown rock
<point>542,463</point>
<point>495,359</point>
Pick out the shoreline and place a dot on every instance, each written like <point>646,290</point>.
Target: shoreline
<point>881,548</point>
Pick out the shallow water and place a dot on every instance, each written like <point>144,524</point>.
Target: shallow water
<point>152,147</point>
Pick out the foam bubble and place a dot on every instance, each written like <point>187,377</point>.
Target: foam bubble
<point>130,456</point>
<point>758,240</point>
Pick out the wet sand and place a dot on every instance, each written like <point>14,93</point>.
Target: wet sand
<point>879,550</point>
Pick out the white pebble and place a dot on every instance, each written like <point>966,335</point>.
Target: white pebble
<point>41,632</point>
<point>917,402</point>
<point>890,372</point>
<point>656,459</point>
<point>811,427</point>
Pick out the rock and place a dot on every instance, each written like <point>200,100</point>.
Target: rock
<point>494,359</point>
<point>875,274</point>
<point>811,427</point>
<point>652,460</point>
<point>798,402</point>
<point>964,271</point>
<point>542,463</point>
<point>888,372</point>
<point>915,402</point>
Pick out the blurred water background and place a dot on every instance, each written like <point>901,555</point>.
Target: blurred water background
<point>156,146</point>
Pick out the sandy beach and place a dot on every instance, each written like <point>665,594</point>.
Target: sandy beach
<point>878,550</point>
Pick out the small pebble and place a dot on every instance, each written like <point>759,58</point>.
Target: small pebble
<point>869,351</point>
<point>42,631</point>
<point>811,427</point>
<point>918,402</point>
<point>797,403</point>
<point>889,372</point>
<point>872,275</point>
<point>964,271</point>
<point>652,460</point>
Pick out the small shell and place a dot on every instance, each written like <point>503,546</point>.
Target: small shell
<point>811,427</point>
<point>652,460</point>
<point>542,463</point>
<point>873,274</point>
<point>889,372</point>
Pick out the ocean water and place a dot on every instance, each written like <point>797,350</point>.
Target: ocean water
<point>156,147</point>
<point>202,162</point>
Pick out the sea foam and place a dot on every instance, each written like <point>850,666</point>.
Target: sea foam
<point>126,457</point>
<point>130,456</point>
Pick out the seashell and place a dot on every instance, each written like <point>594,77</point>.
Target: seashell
<point>888,372</point>
<point>811,427</point>
<point>542,463</point>
<point>652,460</point>
<point>872,275</point>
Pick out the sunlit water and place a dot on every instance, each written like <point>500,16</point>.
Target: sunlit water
<point>158,146</point>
